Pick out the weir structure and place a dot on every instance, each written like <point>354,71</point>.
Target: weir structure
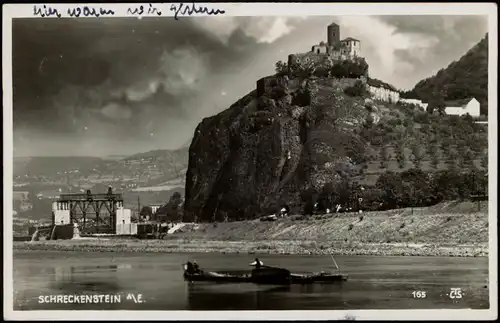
<point>93,213</point>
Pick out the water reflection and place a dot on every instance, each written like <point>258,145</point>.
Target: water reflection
<point>233,296</point>
<point>211,296</point>
<point>374,283</point>
<point>84,279</point>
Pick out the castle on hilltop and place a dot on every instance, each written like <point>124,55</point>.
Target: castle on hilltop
<point>334,48</point>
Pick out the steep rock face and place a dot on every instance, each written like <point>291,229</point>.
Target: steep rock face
<point>272,145</point>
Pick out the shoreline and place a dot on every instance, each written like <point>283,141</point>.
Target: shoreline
<point>277,247</point>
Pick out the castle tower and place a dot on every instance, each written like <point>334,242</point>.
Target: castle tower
<point>333,35</point>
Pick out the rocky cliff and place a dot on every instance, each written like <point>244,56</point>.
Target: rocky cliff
<point>272,145</point>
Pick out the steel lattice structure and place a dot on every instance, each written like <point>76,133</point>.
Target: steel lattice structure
<point>94,213</point>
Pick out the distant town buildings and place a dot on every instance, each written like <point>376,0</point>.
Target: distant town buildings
<point>52,194</point>
<point>20,195</point>
<point>155,207</point>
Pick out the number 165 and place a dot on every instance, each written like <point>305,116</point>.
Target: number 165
<point>419,294</point>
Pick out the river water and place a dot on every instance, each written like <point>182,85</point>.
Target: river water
<point>374,282</point>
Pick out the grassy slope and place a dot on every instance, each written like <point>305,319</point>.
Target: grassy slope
<point>448,229</point>
<point>446,223</point>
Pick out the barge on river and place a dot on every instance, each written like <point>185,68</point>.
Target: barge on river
<point>261,275</point>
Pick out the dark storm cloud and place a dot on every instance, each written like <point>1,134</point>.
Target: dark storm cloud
<point>449,38</point>
<point>122,76</point>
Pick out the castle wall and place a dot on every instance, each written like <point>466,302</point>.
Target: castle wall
<point>316,58</point>
<point>319,49</point>
<point>416,102</point>
<point>351,48</point>
<point>383,94</point>
<point>307,58</point>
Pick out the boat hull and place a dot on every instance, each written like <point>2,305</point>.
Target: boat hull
<point>274,276</point>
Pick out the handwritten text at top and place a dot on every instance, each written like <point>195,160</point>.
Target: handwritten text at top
<point>136,11</point>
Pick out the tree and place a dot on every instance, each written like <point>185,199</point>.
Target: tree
<point>468,158</point>
<point>327,195</point>
<point>435,161</point>
<point>384,156</point>
<point>446,146</point>
<point>447,185</point>
<point>416,188</point>
<point>436,103</point>
<point>357,90</point>
<point>391,186</point>
<point>281,68</point>
<point>146,211</point>
<point>309,198</point>
<point>417,155</point>
<point>173,209</point>
<point>432,146</point>
<point>400,156</point>
<point>484,161</point>
<point>349,68</point>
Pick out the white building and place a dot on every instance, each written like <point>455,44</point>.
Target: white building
<point>155,207</point>
<point>124,225</point>
<point>351,46</point>
<point>61,213</point>
<point>416,102</point>
<point>462,107</point>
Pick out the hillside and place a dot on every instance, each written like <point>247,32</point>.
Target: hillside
<point>294,137</point>
<point>465,78</point>
<point>146,169</point>
<point>46,166</point>
<point>406,138</point>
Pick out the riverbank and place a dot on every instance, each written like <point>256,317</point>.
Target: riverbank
<point>249,247</point>
<point>455,229</point>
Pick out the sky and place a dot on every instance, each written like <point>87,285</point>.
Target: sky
<point>118,86</point>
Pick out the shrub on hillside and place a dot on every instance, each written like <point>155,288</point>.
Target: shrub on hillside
<point>435,161</point>
<point>417,155</point>
<point>349,68</point>
<point>357,90</point>
<point>391,186</point>
<point>309,198</point>
<point>400,156</point>
<point>484,161</point>
<point>421,117</point>
<point>322,71</point>
<point>452,185</point>
<point>281,68</point>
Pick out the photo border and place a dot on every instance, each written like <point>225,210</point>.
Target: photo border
<point>11,11</point>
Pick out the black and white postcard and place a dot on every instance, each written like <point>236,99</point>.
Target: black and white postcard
<point>250,161</point>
